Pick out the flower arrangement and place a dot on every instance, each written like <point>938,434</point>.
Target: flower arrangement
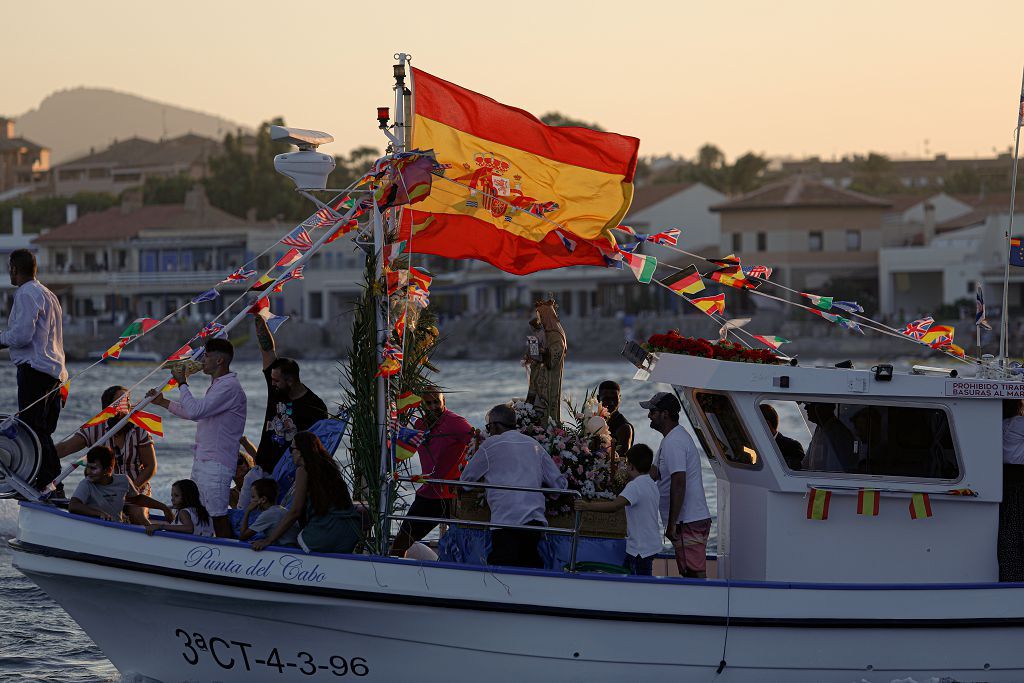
<point>673,342</point>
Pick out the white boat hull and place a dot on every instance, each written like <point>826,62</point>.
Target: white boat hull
<point>176,609</point>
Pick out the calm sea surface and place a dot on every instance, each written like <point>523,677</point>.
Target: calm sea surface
<point>40,642</point>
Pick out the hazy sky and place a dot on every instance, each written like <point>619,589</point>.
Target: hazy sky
<point>780,78</point>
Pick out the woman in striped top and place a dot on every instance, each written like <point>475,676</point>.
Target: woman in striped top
<point>134,451</point>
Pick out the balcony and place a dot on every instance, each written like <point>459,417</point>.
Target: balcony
<point>185,280</point>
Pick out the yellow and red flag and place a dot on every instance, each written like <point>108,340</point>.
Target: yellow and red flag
<point>867,502</point>
<point>817,503</point>
<point>519,194</point>
<point>711,305</point>
<point>936,332</point>
<point>102,416</point>
<point>151,423</point>
<point>920,506</point>
<point>407,401</point>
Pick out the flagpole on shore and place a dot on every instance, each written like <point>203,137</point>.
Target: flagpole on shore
<point>1004,326</point>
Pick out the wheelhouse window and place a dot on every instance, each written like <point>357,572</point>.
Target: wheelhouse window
<point>859,439</point>
<point>721,430</point>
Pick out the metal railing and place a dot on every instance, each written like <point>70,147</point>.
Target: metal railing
<point>573,532</point>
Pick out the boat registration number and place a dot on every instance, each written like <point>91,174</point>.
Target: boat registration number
<point>232,654</point>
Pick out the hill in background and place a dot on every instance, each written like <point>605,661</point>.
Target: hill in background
<point>71,122</point>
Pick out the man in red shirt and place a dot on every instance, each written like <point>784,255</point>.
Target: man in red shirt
<point>441,454</point>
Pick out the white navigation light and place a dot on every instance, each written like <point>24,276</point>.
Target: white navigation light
<point>307,168</point>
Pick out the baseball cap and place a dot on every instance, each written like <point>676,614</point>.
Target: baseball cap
<point>662,400</point>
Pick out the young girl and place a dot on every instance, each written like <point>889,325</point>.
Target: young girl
<point>190,517</point>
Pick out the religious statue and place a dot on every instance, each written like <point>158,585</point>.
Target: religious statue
<point>545,360</point>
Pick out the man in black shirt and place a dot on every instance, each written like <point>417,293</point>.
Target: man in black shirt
<point>792,451</point>
<point>292,407</point>
<point>610,395</point>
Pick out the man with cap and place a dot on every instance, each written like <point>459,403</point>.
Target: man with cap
<point>684,508</point>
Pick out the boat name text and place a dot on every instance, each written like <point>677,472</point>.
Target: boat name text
<point>288,567</point>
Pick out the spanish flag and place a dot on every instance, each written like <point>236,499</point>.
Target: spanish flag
<point>513,183</point>
<point>148,421</point>
<point>102,416</point>
<point>936,331</point>
<point>817,504</point>
<point>920,506</point>
<point>867,502</point>
<point>710,304</point>
<point>407,401</point>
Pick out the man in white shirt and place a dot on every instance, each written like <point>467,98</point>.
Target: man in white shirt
<point>511,458</point>
<point>35,337</point>
<point>684,508</point>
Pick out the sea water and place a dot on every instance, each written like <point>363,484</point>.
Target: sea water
<point>40,642</point>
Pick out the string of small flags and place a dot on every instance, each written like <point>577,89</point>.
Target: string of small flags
<point>869,502</point>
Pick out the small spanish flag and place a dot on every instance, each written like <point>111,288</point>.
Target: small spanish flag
<point>64,393</point>
<point>732,276</point>
<point>867,502</point>
<point>686,281</point>
<point>817,503</point>
<point>920,506</point>
<point>102,416</point>
<point>404,451</point>
<point>407,401</point>
<point>710,304</point>
<point>147,421</point>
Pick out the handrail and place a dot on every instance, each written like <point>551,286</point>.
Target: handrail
<point>574,532</point>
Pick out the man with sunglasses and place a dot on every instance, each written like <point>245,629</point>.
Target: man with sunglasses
<point>511,458</point>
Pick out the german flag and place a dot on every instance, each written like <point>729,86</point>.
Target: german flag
<point>867,502</point>
<point>817,504</point>
<point>148,421</point>
<point>711,305</point>
<point>920,506</point>
<point>686,281</point>
<point>513,183</point>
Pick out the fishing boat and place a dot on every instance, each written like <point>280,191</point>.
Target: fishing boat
<point>848,597</point>
<point>871,559</point>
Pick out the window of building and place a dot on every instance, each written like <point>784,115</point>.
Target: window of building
<point>316,305</point>
<point>762,241</point>
<point>815,241</point>
<point>721,432</point>
<point>853,240</point>
<point>872,440</point>
<point>99,172</point>
<point>737,242</point>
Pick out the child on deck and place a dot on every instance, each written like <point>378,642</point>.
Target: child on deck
<point>641,500</point>
<point>190,516</point>
<point>103,494</point>
<point>264,497</point>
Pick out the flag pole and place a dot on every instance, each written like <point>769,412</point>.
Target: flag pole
<point>399,144</point>
<point>1005,321</point>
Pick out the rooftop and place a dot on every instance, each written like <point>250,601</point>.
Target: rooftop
<point>800,191</point>
<point>645,197</point>
<point>136,151</point>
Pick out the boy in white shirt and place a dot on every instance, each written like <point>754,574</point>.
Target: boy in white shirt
<point>641,500</point>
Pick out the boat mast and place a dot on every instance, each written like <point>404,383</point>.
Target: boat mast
<point>1005,318</point>
<point>398,143</point>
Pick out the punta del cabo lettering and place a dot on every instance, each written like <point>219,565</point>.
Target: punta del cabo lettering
<point>287,567</point>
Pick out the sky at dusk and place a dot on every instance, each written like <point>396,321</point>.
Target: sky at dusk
<point>779,78</point>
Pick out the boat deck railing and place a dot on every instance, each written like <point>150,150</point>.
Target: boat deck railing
<point>573,532</point>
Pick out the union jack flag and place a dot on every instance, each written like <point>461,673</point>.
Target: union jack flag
<point>298,238</point>
<point>668,237</point>
<point>918,328</point>
<point>391,352</point>
<point>294,275</point>
<point>240,275</point>
<point>941,342</point>
<point>210,330</point>
<point>569,244</point>
<point>418,295</point>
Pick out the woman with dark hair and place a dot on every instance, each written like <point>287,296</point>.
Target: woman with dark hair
<point>1010,544</point>
<point>320,503</point>
<point>134,451</point>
